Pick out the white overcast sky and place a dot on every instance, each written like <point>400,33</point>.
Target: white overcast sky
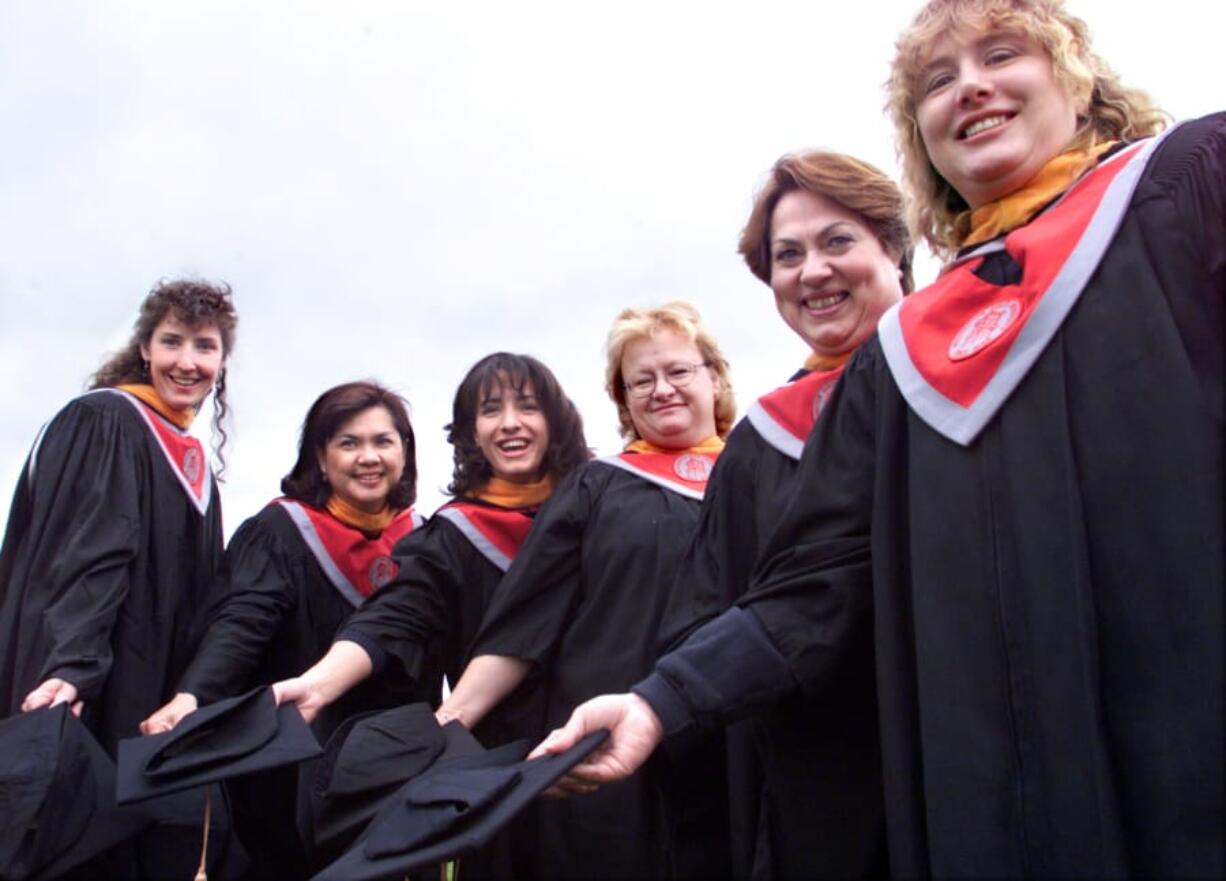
<point>394,189</point>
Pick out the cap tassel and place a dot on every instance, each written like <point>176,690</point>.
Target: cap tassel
<point>201,874</point>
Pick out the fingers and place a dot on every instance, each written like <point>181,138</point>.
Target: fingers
<point>37,699</point>
<point>298,692</point>
<point>165,719</point>
<point>50,693</point>
<point>559,740</point>
<point>570,785</point>
<point>155,724</point>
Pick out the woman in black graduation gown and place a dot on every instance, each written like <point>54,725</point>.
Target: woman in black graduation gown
<point>114,537</point>
<point>581,605</point>
<point>1021,482</point>
<point>827,233</point>
<point>114,544</point>
<point>515,434</point>
<point>295,571</point>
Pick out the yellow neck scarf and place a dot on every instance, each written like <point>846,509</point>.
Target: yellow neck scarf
<point>508,494</point>
<point>148,394</point>
<point>999,217</point>
<point>713,444</point>
<point>358,519</point>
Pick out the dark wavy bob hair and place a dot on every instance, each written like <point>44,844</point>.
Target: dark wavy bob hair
<point>326,417</point>
<point>567,446</point>
<point>195,304</point>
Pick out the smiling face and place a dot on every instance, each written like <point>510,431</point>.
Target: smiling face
<point>364,460</point>
<point>674,417</point>
<point>512,431</point>
<point>831,277</point>
<point>991,112</point>
<point>183,361</point>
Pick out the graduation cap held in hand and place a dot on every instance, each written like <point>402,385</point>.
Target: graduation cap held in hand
<point>365,761</point>
<point>226,739</point>
<point>453,807</point>
<point>57,796</point>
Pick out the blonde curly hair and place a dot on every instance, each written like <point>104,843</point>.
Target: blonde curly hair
<point>1110,110</point>
<point>681,318</point>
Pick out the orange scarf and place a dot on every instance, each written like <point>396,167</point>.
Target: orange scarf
<point>1008,213</point>
<point>508,494</point>
<point>149,395</point>
<point>713,444</point>
<point>816,363</point>
<point>351,516</point>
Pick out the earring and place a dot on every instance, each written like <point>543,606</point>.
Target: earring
<point>144,366</point>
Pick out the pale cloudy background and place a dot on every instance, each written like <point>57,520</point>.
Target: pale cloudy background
<point>396,189</point>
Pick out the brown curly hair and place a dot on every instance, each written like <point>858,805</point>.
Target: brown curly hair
<point>195,304</point>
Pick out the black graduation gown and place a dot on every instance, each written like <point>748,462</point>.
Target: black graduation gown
<point>112,550</point>
<point>447,573</point>
<point>805,773</point>
<point>278,617</point>
<point>435,604</point>
<point>107,562</point>
<point>583,602</point>
<point>1048,599</point>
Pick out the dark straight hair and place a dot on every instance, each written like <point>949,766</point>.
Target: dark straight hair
<point>327,415</point>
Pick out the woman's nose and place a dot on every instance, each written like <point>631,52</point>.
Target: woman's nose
<point>510,418</point>
<point>816,269</point>
<point>974,86</point>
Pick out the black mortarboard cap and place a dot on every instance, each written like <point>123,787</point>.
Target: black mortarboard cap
<point>227,739</point>
<point>451,808</point>
<point>57,796</point>
<point>365,761</point>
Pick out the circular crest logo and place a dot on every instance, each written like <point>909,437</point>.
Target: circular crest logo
<point>693,467</point>
<point>820,399</point>
<point>983,329</point>
<point>382,570</point>
<point>191,465</point>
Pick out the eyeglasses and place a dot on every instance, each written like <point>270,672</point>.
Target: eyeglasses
<point>677,375</point>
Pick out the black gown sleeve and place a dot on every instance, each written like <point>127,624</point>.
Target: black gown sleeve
<point>260,594</point>
<point>534,601</point>
<point>1189,214</point>
<point>411,611</point>
<point>85,493</point>
<point>811,590</point>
